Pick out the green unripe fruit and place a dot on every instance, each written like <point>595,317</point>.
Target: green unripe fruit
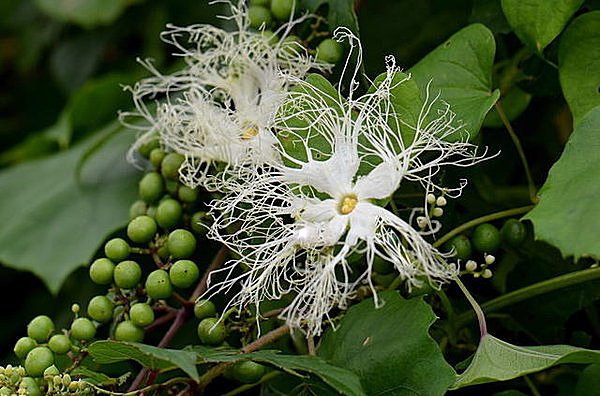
<point>211,331</point>
<point>117,249</point>
<point>204,309</point>
<point>127,274</point>
<point>151,187</point>
<point>282,9</point>
<point>156,156</point>
<point>197,223</point>
<point>101,271</point>
<point>292,45</point>
<point>186,194</point>
<point>247,371</point>
<point>158,284</point>
<point>141,314</point>
<point>100,308</point>
<point>513,233</point>
<point>486,238</point>
<point>30,386</point>
<point>141,229</point>
<point>258,16</point>
<point>23,346</point>
<point>51,371</point>
<point>330,51</point>
<point>127,331</point>
<point>184,273</point>
<point>382,266</point>
<point>59,344</point>
<point>146,148</point>
<point>163,252</point>
<point>38,360</point>
<point>138,208</point>
<point>170,165</point>
<point>461,246</point>
<point>151,212</point>
<point>168,213</point>
<point>40,328</point>
<point>83,329</point>
<point>181,243</point>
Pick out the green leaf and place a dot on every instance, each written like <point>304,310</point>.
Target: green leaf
<point>389,348</point>
<point>344,381</point>
<point>497,360</point>
<point>341,12</point>
<point>538,22</point>
<point>514,103</point>
<point>51,223</point>
<point>461,70</point>
<point>567,214</point>
<point>86,13</point>
<point>107,352</point>
<point>589,381</point>
<point>98,378</point>
<point>579,64</point>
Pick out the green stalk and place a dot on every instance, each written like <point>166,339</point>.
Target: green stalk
<point>537,289</point>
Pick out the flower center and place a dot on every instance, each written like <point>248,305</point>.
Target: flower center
<point>348,204</point>
<point>250,133</point>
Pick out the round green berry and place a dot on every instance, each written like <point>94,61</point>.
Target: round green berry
<point>330,51</point>
<point>461,245</point>
<point>38,360</point>
<point>259,16</point>
<point>40,328</point>
<point>486,238</point>
<point>141,314</point>
<point>141,229</point>
<point>211,331</point>
<point>168,213</point>
<point>247,371</point>
<point>138,208</point>
<point>100,308</point>
<point>146,148</point>
<point>30,386</point>
<point>181,243</point>
<point>513,233</point>
<point>101,271</point>
<point>282,9</point>
<point>197,223</point>
<point>151,187</point>
<point>117,249</point>
<point>163,252</point>
<point>186,194</point>
<point>127,331</point>
<point>170,165</point>
<point>83,329</point>
<point>158,284</point>
<point>127,274</point>
<point>151,212</point>
<point>204,309</point>
<point>23,346</point>
<point>156,156</point>
<point>184,273</point>
<point>59,343</point>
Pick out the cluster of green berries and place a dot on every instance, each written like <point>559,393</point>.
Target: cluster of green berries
<point>266,14</point>
<point>486,239</point>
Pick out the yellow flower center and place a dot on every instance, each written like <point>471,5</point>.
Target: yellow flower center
<point>250,133</point>
<point>348,204</point>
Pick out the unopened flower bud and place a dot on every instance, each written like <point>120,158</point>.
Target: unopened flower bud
<point>487,273</point>
<point>489,259</point>
<point>471,266</point>
<point>437,212</point>
<point>430,199</point>
<point>441,201</point>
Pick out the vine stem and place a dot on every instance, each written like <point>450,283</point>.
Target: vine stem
<point>217,370</point>
<point>559,282</point>
<point>185,311</point>
<point>476,307</point>
<point>532,189</point>
<point>482,219</point>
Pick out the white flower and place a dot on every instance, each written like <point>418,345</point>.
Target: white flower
<point>298,224</point>
<point>221,106</point>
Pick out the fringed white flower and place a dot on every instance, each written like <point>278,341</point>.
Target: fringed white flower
<point>221,106</point>
<point>297,225</point>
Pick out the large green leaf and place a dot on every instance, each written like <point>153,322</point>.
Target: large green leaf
<point>589,381</point>
<point>343,380</point>
<point>579,64</point>
<point>497,360</point>
<point>538,22</point>
<point>87,13</point>
<point>390,348</point>
<point>461,70</point>
<point>340,12</point>
<point>107,352</point>
<point>53,218</point>
<point>567,214</point>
